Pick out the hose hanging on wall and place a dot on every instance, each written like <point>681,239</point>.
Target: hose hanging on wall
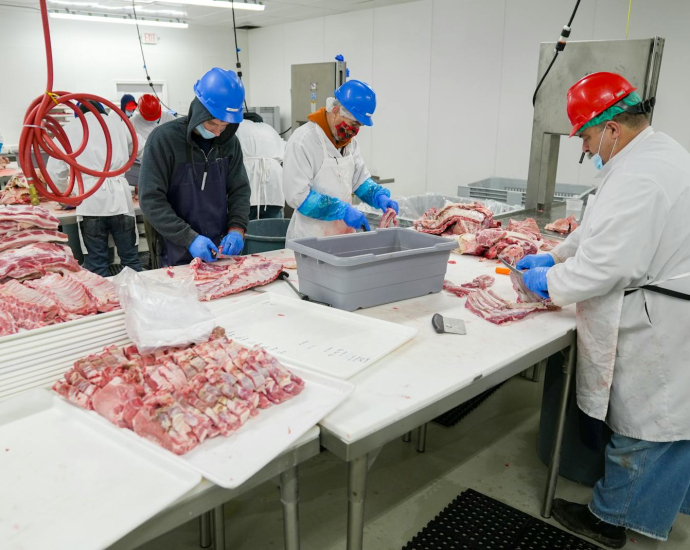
<point>35,139</point>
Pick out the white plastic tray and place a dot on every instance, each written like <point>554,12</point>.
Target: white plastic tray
<point>314,337</point>
<point>65,482</point>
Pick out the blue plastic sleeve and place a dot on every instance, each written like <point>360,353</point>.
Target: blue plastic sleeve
<point>323,207</point>
<point>369,192</point>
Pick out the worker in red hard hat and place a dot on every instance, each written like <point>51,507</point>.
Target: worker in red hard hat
<point>627,267</point>
<point>149,115</point>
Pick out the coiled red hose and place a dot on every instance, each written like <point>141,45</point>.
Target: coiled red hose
<point>35,139</point>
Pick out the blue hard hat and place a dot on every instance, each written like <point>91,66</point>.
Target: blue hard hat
<point>222,93</point>
<point>358,98</point>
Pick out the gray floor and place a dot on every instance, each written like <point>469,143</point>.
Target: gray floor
<point>491,451</point>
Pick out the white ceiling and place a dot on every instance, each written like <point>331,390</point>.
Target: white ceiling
<point>276,11</point>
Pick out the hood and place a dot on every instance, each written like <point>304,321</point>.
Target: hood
<point>198,114</point>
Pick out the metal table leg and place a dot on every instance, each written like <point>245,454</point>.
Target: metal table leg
<point>356,493</point>
<point>289,496</point>
<point>205,530</point>
<point>421,438</point>
<point>550,491</point>
<point>219,527</point>
<point>536,370</point>
<point>407,437</point>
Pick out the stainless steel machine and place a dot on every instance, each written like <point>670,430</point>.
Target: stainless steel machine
<point>638,60</point>
<point>312,84</point>
<point>271,116</point>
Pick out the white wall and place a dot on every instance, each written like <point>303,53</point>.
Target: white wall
<point>89,57</point>
<point>454,79</point>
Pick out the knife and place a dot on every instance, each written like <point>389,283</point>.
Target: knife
<point>513,269</point>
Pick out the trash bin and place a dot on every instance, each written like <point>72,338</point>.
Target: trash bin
<point>584,440</point>
<point>265,235</point>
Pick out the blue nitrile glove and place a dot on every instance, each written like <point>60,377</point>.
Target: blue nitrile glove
<point>536,260</point>
<point>375,195</point>
<point>384,202</point>
<point>201,247</point>
<point>354,218</point>
<point>232,244</point>
<point>535,280</point>
<point>323,207</point>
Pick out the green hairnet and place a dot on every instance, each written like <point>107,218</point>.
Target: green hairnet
<point>631,99</point>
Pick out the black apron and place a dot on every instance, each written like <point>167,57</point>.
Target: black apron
<point>205,210</point>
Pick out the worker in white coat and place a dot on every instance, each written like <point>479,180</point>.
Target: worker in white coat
<point>627,267</point>
<point>109,211</point>
<point>262,152</point>
<point>149,116</point>
<point>323,167</point>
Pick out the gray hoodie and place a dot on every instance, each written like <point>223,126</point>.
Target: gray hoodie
<point>171,145</point>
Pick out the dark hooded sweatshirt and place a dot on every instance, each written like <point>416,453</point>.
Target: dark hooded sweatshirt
<point>169,148</point>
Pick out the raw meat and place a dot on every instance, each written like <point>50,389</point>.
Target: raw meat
<point>102,289</point>
<point>72,298</point>
<point>527,227</point>
<point>209,271</point>
<point>35,260</point>
<point>287,263</point>
<point>180,397</point>
<point>30,308</point>
<point>564,225</point>
<point>479,283</point>
<point>249,275</point>
<point>487,305</point>
<point>7,324</point>
<point>17,191</point>
<point>390,217</point>
<point>28,216</point>
<point>456,219</point>
<point>16,239</point>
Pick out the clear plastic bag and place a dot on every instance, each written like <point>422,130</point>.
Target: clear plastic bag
<point>162,313</point>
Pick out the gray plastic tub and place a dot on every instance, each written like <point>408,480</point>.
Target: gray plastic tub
<point>368,269</point>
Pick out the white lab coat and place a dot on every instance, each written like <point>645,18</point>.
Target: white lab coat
<point>633,351</point>
<point>144,127</point>
<point>114,196</point>
<point>313,162</point>
<point>263,150</point>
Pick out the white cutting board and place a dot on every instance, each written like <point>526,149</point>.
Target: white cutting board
<point>315,337</point>
<point>66,483</point>
<point>230,461</point>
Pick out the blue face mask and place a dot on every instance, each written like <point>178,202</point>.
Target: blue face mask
<point>596,158</point>
<point>129,113</point>
<point>204,132</point>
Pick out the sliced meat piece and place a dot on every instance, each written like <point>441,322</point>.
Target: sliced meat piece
<point>16,239</point>
<point>7,322</point>
<point>563,225</point>
<point>388,219</point>
<point>35,260</point>
<point>29,216</point>
<point>73,299</point>
<point>102,289</point>
<point>527,227</point>
<point>233,281</point>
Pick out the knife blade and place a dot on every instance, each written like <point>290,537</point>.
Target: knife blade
<point>513,269</point>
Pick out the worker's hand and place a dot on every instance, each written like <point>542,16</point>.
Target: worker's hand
<point>202,247</point>
<point>535,280</point>
<point>384,203</point>
<point>536,260</point>
<point>354,218</point>
<point>232,244</point>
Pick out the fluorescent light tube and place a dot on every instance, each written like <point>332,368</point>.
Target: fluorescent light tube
<point>124,21</point>
<point>218,4</point>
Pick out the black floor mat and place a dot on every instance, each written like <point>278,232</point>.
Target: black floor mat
<point>453,416</point>
<point>474,521</point>
<point>144,257</point>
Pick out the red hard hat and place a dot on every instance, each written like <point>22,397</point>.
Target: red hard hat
<point>592,95</point>
<point>149,107</point>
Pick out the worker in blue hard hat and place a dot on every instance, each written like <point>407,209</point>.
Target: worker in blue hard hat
<point>323,167</point>
<point>193,187</point>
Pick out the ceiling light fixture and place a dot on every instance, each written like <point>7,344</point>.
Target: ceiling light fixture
<point>117,19</point>
<point>219,4</point>
<point>99,7</point>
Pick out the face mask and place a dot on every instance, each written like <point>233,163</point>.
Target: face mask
<point>129,113</point>
<point>204,132</point>
<point>596,158</point>
<point>345,131</point>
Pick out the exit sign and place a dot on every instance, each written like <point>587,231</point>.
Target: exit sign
<point>149,38</point>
